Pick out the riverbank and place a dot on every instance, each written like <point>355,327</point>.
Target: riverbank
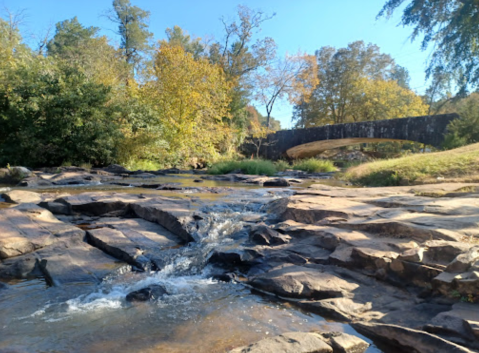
<point>213,263</point>
<point>456,165</point>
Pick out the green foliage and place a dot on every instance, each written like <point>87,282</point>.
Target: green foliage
<point>464,130</point>
<point>247,166</point>
<point>451,27</point>
<point>313,165</point>
<point>143,164</point>
<point>54,114</point>
<point>132,28</point>
<point>281,165</point>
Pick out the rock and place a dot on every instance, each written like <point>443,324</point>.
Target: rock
<point>75,262</point>
<point>34,182</point>
<point>464,261</point>
<point>290,342</point>
<point>198,181</point>
<point>74,178</point>
<point>21,196</point>
<point>56,207</point>
<point>301,282</point>
<point>152,292</point>
<point>235,258</point>
<point>443,252</point>
<point>173,214</point>
<point>264,235</point>
<point>344,343</point>
<point>307,209</point>
<point>410,340</point>
<point>343,309</point>
<point>412,255</point>
<point>281,182</point>
<point>20,267</point>
<point>114,243</point>
<point>116,169</point>
<point>20,233</point>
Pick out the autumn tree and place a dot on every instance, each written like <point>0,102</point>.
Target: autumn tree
<point>294,77</point>
<point>450,26</point>
<point>350,82</point>
<point>191,99</point>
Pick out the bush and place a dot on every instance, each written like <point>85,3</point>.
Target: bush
<point>281,165</point>
<point>143,164</point>
<point>313,165</point>
<point>247,166</point>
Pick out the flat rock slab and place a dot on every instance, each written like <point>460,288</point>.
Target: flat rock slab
<point>435,189</point>
<point>312,209</point>
<point>301,282</point>
<point>21,234</point>
<point>176,215</point>
<point>22,196</point>
<point>290,342</point>
<point>410,340</point>
<point>72,263</point>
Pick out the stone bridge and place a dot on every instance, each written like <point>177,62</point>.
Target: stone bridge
<point>301,143</point>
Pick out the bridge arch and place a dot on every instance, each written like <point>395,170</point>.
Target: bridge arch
<point>429,130</point>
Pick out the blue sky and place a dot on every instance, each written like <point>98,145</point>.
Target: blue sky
<point>303,25</point>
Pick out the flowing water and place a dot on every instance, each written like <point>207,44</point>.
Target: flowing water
<point>198,314</point>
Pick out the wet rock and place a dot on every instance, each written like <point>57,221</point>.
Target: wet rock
<point>21,196</point>
<point>116,244</point>
<point>224,277</point>
<point>70,262</point>
<point>280,182</point>
<point>290,342</point>
<point>302,282</point>
<point>344,343</point>
<point>264,235</point>
<point>410,340</point>
<point>198,181</point>
<point>236,258</point>
<point>20,267</point>
<point>34,182</point>
<point>152,292</point>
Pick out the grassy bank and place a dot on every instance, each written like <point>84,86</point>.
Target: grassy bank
<point>265,167</point>
<point>460,164</point>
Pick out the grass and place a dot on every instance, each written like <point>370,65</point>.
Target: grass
<point>281,165</point>
<point>313,165</point>
<point>460,164</point>
<point>247,166</point>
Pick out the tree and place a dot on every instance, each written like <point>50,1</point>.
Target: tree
<point>54,114</point>
<point>294,77</point>
<point>345,77</point>
<point>240,57</point>
<point>132,28</point>
<point>452,27</point>
<point>71,38</point>
<point>191,99</point>
<point>176,36</point>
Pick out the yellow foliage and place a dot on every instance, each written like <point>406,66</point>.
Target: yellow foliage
<point>191,98</point>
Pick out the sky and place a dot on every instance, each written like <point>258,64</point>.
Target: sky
<point>305,25</point>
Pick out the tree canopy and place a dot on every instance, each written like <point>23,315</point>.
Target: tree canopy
<point>357,83</point>
<point>452,27</point>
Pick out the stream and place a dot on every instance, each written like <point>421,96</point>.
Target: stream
<point>199,314</point>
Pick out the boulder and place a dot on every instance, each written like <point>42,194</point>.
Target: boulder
<point>264,235</point>
<point>152,292</point>
<point>290,342</point>
<point>464,261</point>
<point>344,343</point>
<point>21,196</point>
<point>280,182</point>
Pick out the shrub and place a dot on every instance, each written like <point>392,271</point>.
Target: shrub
<point>281,165</point>
<point>253,167</point>
<point>313,165</point>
